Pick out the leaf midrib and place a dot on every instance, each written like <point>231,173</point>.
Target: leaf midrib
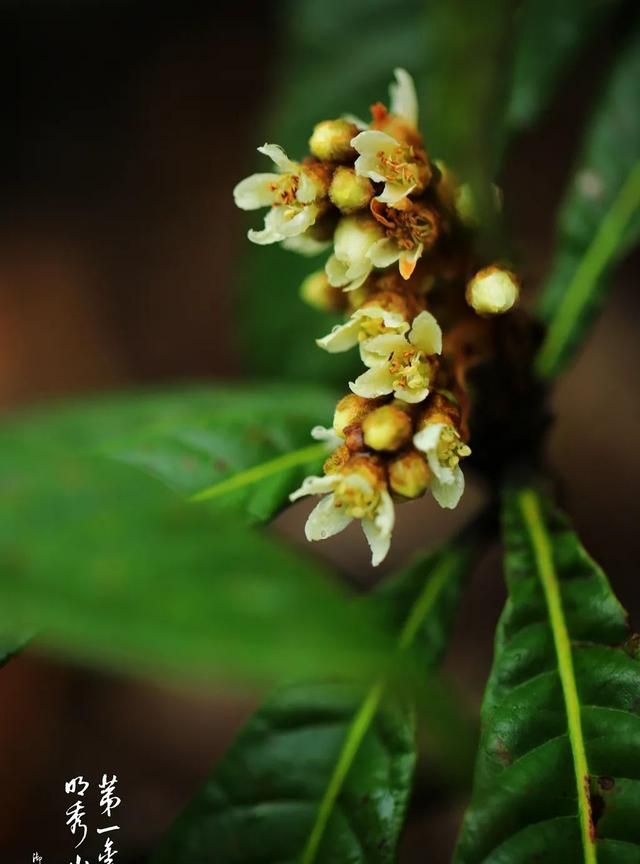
<point>259,472</point>
<point>364,717</point>
<point>532,517</point>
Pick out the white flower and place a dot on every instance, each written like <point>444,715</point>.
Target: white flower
<point>350,265</point>
<point>328,435</point>
<point>443,448</point>
<point>371,319</point>
<point>292,195</point>
<point>387,251</point>
<point>401,364</point>
<point>403,99</point>
<point>356,492</point>
<point>384,160</point>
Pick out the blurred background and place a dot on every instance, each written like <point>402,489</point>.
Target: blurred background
<point>127,124</point>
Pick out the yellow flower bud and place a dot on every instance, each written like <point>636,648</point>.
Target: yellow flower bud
<point>492,291</point>
<point>337,460</point>
<point>331,140</point>
<point>349,192</point>
<point>318,293</point>
<point>349,410</point>
<point>387,428</point>
<point>409,474</point>
<point>440,409</point>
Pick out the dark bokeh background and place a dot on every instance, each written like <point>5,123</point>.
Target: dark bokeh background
<point>126,126</point>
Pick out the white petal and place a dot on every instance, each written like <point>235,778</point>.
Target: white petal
<point>378,349</point>
<point>449,494</point>
<point>403,99</point>
<point>302,244</point>
<point>389,318</point>
<point>264,237</point>
<point>372,142</point>
<point>378,530</point>
<point>326,519</point>
<point>375,382</point>
<point>283,221</point>
<point>356,283</point>
<point>341,338</point>
<point>278,156</point>
<point>328,435</point>
<point>383,253</point>
<point>255,191</point>
<point>408,260</point>
<point>307,190</point>
<point>394,192</point>
<point>314,486</point>
<point>336,272</point>
<point>427,440</point>
<point>368,166</point>
<point>411,395</point>
<point>354,237</point>
<point>426,334</point>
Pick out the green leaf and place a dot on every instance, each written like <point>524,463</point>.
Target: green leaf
<point>339,58</point>
<point>109,565</point>
<point>600,218</point>
<point>558,768</point>
<point>465,91</point>
<point>246,448</point>
<point>322,772</point>
<point>548,37</point>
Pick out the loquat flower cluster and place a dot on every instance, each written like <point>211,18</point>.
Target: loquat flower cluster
<point>399,228</point>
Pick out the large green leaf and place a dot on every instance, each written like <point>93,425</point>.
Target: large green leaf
<point>600,218</point>
<point>558,771</point>
<point>339,57</point>
<point>246,448</point>
<point>322,772</point>
<point>549,35</point>
<point>106,563</point>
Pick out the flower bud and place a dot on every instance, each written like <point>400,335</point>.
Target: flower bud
<point>349,410</point>
<point>349,192</point>
<point>337,460</point>
<point>319,294</point>
<point>387,428</point>
<point>409,474</point>
<point>331,140</point>
<point>439,409</point>
<point>492,291</point>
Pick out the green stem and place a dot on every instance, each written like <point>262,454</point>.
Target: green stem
<point>530,509</point>
<point>579,290</point>
<point>260,472</point>
<point>369,706</point>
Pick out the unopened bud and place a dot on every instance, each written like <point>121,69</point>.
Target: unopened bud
<point>318,293</point>
<point>337,460</point>
<point>409,474</point>
<point>440,409</point>
<point>349,192</point>
<point>492,291</point>
<point>349,410</point>
<point>331,140</point>
<point>387,428</point>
